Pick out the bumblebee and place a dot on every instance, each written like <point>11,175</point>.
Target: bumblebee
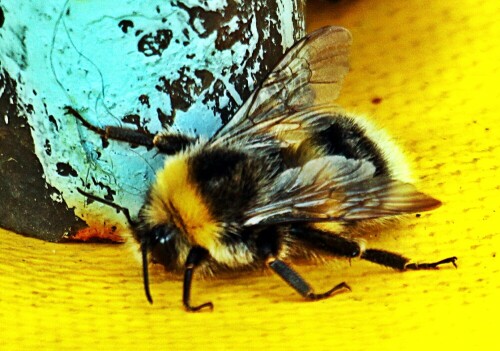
<point>291,176</point>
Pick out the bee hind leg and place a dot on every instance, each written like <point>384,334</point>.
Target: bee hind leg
<point>340,246</point>
<point>399,262</point>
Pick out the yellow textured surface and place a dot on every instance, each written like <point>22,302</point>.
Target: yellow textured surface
<point>435,67</point>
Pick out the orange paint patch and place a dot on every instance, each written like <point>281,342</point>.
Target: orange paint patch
<point>97,234</point>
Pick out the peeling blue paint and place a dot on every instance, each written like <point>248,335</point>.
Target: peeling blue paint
<point>86,54</point>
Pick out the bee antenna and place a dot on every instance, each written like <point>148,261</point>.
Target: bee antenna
<point>145,271</point>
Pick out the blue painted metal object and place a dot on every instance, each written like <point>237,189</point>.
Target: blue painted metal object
<point>186,65</point>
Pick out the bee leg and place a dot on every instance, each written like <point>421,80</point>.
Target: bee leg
<point>127,135</point>
<point>269,244</point>
<point>196,255</point>
<point>68,110</point>
<point>399,262</point>
<point>292,278</point>
<point>172,143</point>
<point>337,245</point>
<point>329,243</point>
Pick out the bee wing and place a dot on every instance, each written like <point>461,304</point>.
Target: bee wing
<point>307,80</point>
<point>334,188</point>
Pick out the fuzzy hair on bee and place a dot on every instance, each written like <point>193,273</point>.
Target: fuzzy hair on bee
<point>291,176</point>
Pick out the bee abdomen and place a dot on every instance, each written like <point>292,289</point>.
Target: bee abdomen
<point>345,137</point>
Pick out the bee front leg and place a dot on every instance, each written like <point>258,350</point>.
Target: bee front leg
<point>196,255</point>
<point>127,135</point>
<point>170,143</point>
